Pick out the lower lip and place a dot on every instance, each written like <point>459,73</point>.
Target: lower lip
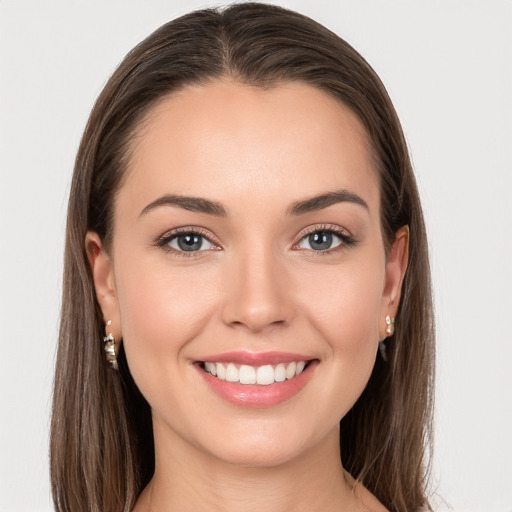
<point>251,395</point>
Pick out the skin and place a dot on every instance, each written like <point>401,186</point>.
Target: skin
<point>258,286</point>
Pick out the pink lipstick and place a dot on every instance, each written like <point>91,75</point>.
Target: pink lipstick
<point>256,379</point>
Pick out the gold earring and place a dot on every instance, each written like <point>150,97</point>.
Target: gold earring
<point>110,347</point>
<point>390,322</point>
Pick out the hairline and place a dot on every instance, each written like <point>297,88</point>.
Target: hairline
<point>142,124</point>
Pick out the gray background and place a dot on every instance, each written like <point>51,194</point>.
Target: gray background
<point>447,66</point>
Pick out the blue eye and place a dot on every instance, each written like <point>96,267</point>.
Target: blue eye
<point>320,241</point>
<point>189,242</point>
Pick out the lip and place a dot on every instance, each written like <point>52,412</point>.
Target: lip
<point>253,395</point>
<point>255,358</point>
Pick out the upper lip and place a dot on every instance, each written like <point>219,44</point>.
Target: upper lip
<point>255,358</point>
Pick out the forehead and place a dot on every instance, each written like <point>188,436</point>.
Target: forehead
<point>226,140</point>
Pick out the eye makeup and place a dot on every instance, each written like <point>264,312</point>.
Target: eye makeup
<point>191,241</point>
<point>324,239</point>
<point>187,241</point>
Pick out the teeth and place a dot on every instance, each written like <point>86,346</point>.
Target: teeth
<point>261,375</point>
<point>221,371</point>
<point>265,375</point>
<point>290,370</point>
<point>232,373</point>
<point>211,368</point>
<point>247,375</point>
<point>280,373</point>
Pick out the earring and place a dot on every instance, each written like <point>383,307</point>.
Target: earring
<point>390,322</point>
<point>390,329</point>
<point>110,347</point>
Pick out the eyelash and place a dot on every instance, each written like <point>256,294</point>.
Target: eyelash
<point>347,240</point>
<point>164,241</point>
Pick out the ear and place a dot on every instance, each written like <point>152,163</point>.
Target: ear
<point>395,272</point>
<point>104,284</point>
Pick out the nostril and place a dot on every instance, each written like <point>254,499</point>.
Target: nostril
<point>257,325</point>
<point>257,296</point>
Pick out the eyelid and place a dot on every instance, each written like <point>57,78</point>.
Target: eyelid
<point>346,237</point>
<point>163,240</point>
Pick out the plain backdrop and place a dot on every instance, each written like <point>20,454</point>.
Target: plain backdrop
<point>447,66</point>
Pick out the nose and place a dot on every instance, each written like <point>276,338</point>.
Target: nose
<point>259,294</point>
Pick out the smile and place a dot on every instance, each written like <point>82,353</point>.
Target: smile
<point>256,380</point>
<point>264,375</point>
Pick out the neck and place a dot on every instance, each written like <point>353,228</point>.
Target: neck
<point>313,481</point>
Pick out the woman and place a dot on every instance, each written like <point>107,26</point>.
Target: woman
<point>244,233</point>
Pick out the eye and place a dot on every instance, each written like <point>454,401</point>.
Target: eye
<point>189,242</point>
<point>320,241</point>
<point>324,240</point>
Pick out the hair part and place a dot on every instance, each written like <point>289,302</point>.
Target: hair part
<point>102,453</point>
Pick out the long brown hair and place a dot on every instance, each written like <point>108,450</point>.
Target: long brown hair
<point>102,452</point>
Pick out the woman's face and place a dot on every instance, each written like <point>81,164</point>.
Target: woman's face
<point>247,243</point>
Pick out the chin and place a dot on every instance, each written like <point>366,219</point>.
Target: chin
<point>269,443</point>
<point>266,453</point>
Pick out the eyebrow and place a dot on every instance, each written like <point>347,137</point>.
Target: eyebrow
<point>324,200</point>
<point>202,205</point>
<point>192,204</point>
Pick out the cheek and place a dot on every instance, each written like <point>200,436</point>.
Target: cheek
<point>347,309</point>
<point>162,309</point>
<point>346,314</point>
